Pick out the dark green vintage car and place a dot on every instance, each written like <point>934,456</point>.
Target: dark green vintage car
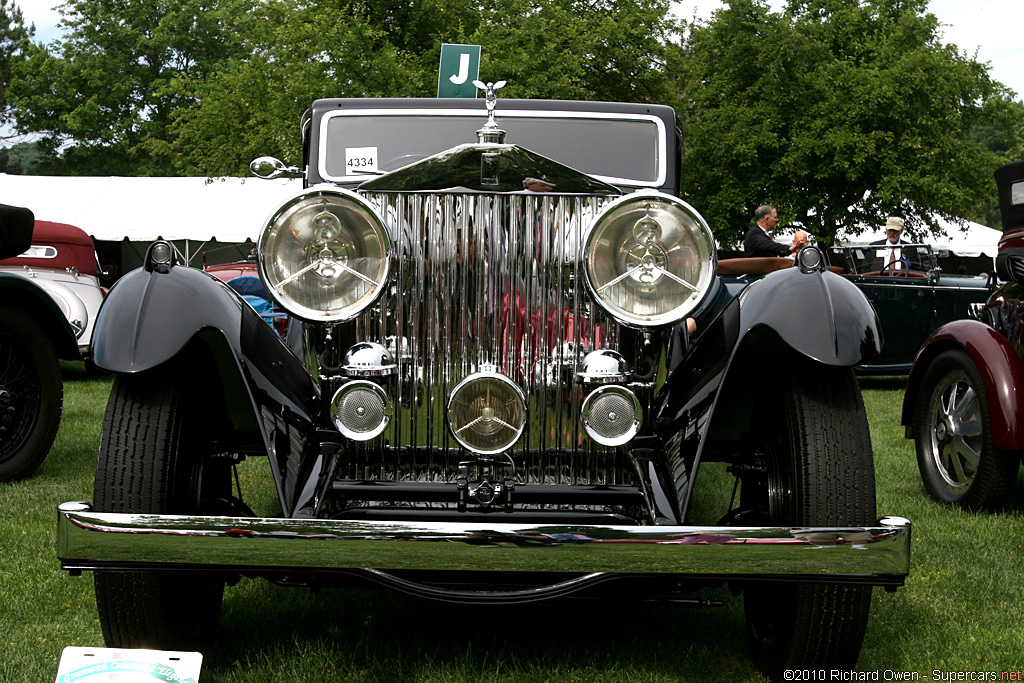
<point>911,300</point>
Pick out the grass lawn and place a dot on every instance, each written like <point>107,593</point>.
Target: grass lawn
<point>961,610</point>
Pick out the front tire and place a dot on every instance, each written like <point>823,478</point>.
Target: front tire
<point>815,468</point>
<point>953,437</point>
<point>155,457</point>
<point>31,394</point>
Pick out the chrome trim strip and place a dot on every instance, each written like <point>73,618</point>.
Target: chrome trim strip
<point>89,540</point>
<point>505,114</point>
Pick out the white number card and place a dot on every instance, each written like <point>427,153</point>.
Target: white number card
<point>359,160</point>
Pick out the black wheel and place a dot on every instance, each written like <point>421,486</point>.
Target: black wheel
<point>155,457</point>
<point>31,394</point>
<point>953,437</point>
<point>813,467</point>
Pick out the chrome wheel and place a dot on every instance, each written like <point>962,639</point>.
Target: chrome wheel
<point>953,436</point>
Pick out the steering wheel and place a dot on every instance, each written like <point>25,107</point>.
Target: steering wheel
<point>890,269</point>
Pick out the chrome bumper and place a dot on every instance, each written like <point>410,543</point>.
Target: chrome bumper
<point>86,540</point>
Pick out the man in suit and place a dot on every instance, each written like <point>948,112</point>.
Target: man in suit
<point>891,256</point>
<point>758,240</point>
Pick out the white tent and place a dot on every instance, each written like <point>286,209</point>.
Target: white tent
<point>978,240</point>
<point>143,209</point>
<point>191,211</point>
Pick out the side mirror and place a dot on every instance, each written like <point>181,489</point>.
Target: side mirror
<point>269,168</point>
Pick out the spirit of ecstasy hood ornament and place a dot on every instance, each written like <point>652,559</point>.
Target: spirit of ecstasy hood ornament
<point>490,132</point>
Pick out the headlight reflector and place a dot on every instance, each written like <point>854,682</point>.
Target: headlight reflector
<point>324,255</point>
<point>487,412</point>
<point>649,259</point>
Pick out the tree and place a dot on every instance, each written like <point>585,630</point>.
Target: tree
<point>23,158</point>
<point>103,97</point>
<point>14,36</point>
<point>580,49</point>
<point>838,112</point>
<point>1002,133</point>
<point>294,53</point>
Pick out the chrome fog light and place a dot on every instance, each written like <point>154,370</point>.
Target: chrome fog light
<point>325,255</point>
<point>361,410</point>
<point>159,257</point>
<point>810,259</point>
<point>487,412</point>
<point>603,366</point>
<point>612,415</point>
<point>368,359</point>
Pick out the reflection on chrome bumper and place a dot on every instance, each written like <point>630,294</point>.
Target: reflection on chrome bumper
<point>86,540</point>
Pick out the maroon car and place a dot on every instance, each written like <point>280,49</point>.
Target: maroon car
<point>963,406</point>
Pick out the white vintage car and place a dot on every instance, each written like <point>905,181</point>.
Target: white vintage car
<point>62,261</point>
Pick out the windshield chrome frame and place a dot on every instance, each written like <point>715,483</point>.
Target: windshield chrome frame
<point>662,164</point>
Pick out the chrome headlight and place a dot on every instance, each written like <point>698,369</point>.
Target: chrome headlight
<point>324,255</point>
<point>487,412</point>
<point>649,259</point>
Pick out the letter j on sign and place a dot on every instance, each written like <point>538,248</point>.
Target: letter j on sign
<point>460,66</point>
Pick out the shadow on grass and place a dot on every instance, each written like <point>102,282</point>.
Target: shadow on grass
<point>373,634</point>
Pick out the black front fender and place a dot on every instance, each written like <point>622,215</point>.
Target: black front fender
<point>819,314</point>
<point>151,318</point>
<point>148,317</point>
<point>708,401</point>
<point>20,292</point>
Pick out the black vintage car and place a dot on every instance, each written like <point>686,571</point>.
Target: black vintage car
<point>34,335</point>
<point>963,404</point>
<point>911,301</point>
<point>516,356</point>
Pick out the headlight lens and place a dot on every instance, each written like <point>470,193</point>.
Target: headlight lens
<point>649,259</point>
<point>324,255</point>
<point>487,412</point>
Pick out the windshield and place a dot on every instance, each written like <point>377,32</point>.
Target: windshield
<point>868,259</point>
<point>617,148</point>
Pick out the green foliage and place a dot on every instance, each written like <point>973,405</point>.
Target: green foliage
<point>14,36</point>
<point>204,86</point>
<point>23,158</point>
<point>1002,133</point>
<point>107,88</point>
<point>292,54</point>
<point>295,54</point>
<point>838,112</point>
<point>579,49</point>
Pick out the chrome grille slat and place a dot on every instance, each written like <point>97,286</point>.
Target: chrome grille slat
<point>486,279</point>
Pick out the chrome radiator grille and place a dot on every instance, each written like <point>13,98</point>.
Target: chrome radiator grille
<point>486,280</point>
